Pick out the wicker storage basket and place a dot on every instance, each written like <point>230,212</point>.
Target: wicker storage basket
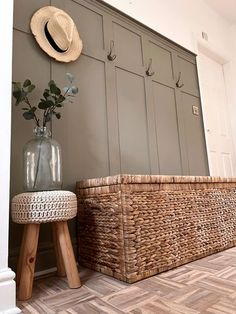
<point>135,226</point>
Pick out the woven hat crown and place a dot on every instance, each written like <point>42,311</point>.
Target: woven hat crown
<point>56,33</point>
<point>60,26</point>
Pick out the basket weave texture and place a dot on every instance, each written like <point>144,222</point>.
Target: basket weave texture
<point>42,207</point>
<point>135,226</point>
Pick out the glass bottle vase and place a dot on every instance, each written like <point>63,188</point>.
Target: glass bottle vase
<point>42,162</point>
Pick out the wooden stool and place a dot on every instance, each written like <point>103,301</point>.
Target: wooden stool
<point>32,209</point>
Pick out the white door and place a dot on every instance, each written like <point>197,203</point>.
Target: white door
<point>220,148</point>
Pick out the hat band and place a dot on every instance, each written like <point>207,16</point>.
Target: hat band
<point>51,41</point>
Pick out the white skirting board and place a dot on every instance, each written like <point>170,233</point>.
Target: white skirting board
<point>7,292</point>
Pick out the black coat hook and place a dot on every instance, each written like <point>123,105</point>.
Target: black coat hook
<point>111,56</point>
<point>148,71</point>
<point>178,81</point>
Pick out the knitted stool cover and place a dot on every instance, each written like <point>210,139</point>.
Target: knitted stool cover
<point>46,206</point>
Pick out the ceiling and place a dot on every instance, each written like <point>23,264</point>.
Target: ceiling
<point>225,8</point>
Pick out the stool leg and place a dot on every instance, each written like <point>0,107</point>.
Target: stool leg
<point>60,264</point>
<point>64,240</point>
<point>19,263</point>
<point>27,260</point>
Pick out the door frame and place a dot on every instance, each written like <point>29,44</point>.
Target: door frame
<point>221,56</point>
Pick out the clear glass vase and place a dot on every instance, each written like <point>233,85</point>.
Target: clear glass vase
<point>42,162</point>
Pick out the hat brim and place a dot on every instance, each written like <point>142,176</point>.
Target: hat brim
<point>37,24</point>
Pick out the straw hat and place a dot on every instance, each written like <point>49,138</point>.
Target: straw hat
<point>56,34</point>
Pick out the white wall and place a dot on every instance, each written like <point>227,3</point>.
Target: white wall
<point>7,284</point>
<point>232,82</point>
<point>178,19</point>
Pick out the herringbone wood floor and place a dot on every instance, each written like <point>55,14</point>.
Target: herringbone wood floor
<point>204,286</point>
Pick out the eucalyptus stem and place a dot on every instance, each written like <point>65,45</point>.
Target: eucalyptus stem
<point>35,117</point>
<point>66,91</point>
<point>45,115</point>
<point>37,167</point>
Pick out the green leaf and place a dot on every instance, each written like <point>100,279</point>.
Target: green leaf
<point>44,104</point>
<point>24,108</point>
<point>61,98</point>
<point>27,83</point>
<point>30,88</point>
<point>45,94</point>
<point>58,91</point>
<point>17,86</point>
<point>74,89</point>
<point>59,105</point>
<point>70,77</point>
<point>28,115</point>
<point>55,90</point>
<point>50,103</point>
<point>58,115</point>
<point>17,94</point>
<point>51,83</point>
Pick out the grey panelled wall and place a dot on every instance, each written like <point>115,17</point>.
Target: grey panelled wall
<point>132,122</point>
<point>166,123</point>
<point>123,120</point>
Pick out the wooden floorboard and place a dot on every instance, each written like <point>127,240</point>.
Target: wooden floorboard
<point>206,286</point>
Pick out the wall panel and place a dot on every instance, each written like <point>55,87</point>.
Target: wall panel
<point>82,130</point>
<point>161,59</point>
<point>194,135</point>
<point>132,123</point>
<point>187,72</point>
<point>90,26</point>
<point>128,46</point>
<point>23,10</point>
<point>166,123</point>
